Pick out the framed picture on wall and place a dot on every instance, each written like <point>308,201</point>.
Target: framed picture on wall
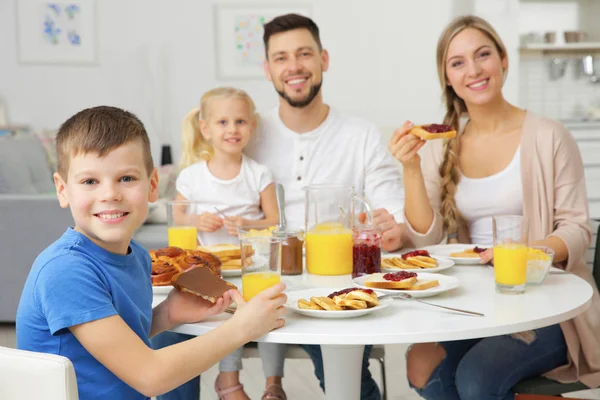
<point>238,30</point>
<point>56,32</point>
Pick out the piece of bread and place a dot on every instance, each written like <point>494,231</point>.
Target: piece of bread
<point>326,303</point>
<point>222,250</point>
<point>422,285</point>
<point>422,261</point>
<point>433,131</point>
<point>469,253</point>
<point>377,281</point>
<point>308,305</point>
<point>370,299</point>
<point>202,282</point>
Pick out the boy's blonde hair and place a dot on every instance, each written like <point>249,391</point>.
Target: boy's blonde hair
<point>194,147</point>
<point>99,130</point>
<point>455,108</point>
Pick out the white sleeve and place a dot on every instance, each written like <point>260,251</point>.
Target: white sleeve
<point>383,185</point>
<point>262,176</point>
<point>184,183</point>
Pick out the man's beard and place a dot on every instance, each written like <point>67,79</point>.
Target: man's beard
<point>314,91</point>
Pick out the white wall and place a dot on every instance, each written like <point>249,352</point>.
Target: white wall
<point>382,63</point>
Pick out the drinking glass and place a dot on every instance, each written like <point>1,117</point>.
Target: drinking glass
<point>181,222</point>
<point>510,253</point>
<point>261,261</point>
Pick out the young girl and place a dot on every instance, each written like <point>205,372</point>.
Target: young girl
<point>215,173</point>
<point>505,160</point>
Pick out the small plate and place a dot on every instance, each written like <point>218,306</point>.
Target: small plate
<point>161,289</point>
<point>444,250</point>
<point>293,298</point>
<point>443,263</point>
<point>446,283</point>
<point>231,273</point>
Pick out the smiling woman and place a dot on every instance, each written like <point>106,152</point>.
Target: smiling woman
<point>503,161</point>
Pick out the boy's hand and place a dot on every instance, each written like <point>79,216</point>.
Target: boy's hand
<point>183,308</point>
<point>208,222</point>
<point>231,227</point>
<point>262,314</point>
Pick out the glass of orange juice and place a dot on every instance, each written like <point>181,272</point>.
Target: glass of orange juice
<point>181,222</point>
<point>511,234</point>
<point>261,261</point>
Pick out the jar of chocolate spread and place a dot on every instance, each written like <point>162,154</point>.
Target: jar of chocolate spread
<point>291,252</point>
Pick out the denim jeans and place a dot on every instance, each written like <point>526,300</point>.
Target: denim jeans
<point>487,369</point>
<point>189,390</point>
<point>368,387</point>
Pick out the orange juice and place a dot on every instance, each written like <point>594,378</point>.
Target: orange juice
<point>255,282</point>
<point>183,237</point>
<point>510,264</point>
<point>329,250</point>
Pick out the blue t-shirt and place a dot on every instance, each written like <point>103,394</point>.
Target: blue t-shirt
<point>75,281</point>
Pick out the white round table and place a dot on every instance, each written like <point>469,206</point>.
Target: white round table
<point>561,297</point>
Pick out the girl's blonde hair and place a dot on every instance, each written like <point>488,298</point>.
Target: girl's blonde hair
<point>455,107</point>
<point>195,147</point>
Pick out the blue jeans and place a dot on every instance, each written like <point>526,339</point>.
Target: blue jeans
<point>368,387</point>
<point>189,390</point>
<point>487,369</point>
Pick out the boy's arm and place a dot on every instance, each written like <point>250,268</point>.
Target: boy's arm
<point>152,372</point>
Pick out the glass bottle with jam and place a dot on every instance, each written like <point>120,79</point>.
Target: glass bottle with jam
<point>366,250</point>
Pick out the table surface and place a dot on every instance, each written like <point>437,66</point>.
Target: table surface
<point>560,298</point>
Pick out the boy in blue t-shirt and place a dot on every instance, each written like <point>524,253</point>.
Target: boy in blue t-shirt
<point>88,296</point>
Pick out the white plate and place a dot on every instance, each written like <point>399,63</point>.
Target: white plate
<point>306,294</point>
<point>443,263</point>
<point>444,250</point>
<point>161,289</point>
<point>446,283</point>
<point>231,273</point>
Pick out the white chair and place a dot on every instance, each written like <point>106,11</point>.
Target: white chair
<point>28,375</point>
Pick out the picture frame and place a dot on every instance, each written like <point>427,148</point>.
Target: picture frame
<point>56,31</point>
<point>239,49</point>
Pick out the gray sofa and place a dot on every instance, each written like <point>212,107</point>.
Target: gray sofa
<point>31,218</point>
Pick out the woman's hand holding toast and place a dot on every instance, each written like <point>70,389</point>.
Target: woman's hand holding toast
<point>405,146</point>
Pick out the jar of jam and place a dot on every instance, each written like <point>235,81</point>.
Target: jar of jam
<point>291,252</point>
<point>366,250</point>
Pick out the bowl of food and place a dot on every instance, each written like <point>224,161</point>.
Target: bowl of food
<point>539,261</point>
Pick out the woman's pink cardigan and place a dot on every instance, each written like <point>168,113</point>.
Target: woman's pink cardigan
<point>555,201</point>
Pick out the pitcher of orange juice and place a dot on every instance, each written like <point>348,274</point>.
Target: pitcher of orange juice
<point>329,218</point>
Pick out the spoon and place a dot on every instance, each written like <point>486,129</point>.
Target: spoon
<point>280,194</point>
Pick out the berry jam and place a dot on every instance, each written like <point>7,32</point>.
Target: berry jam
<point>399,276</point>
<point>366,251</point>
<point>415,253</point>
<point>436,128</point>
<point>344,291</point>
<point>479,249</point>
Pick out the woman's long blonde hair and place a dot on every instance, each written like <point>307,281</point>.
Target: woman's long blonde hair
<point>455,108</point>
<point>195,147</point>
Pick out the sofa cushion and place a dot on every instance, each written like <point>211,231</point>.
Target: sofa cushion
<point>24,166</point>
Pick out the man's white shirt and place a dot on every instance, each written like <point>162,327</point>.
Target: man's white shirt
<point>342,150</point>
